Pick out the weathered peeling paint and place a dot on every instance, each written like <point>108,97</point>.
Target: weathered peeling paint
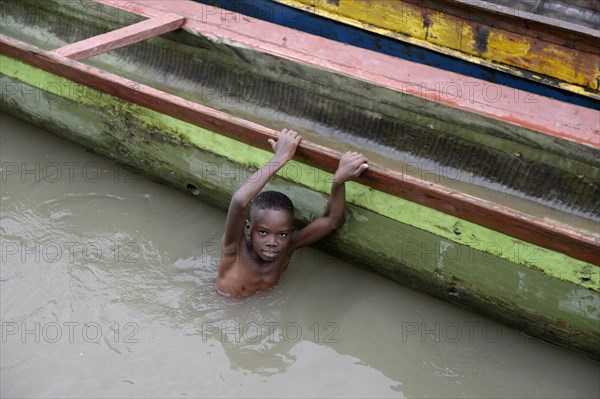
<point>462,37</point>
<point>581,303</point>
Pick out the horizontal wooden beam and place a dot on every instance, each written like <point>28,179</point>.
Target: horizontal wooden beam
<point>531,229</point>
<point>121,37</point>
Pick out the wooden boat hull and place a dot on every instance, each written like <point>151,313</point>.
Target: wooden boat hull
<point>406,34</point>
<point>514,40</point>
<point>538,290</point>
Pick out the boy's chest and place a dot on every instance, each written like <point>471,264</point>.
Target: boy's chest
<point>261,270</point>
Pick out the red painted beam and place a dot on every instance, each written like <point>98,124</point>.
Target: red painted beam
<point>121,37</point>
<point>511,222</point>
<point>540,114</point>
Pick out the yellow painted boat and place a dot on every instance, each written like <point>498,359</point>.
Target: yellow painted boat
<point>549,41</point>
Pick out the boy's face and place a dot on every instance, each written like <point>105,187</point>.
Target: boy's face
<point>270,231</point>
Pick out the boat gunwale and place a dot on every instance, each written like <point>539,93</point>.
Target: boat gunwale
<point>514,223</point>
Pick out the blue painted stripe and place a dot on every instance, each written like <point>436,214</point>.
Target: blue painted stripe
<point>290,17</point>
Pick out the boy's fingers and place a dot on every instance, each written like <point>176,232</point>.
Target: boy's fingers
<point>360,160</point>
<point>357,172</point>
<point>292,134</point>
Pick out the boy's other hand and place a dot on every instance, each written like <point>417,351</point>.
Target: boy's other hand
<point>352,164</point>
<point>286,144</point>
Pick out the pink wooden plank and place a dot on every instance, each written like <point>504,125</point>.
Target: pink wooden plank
<point>121,37</point>
<point>532,229</point>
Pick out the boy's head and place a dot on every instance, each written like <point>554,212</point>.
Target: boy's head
<point>271,200</point>
<point>270,224</point>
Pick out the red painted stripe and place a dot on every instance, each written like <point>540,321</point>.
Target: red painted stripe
<point>537,113</point>
<point>121,37</point>
<point>528,228</point>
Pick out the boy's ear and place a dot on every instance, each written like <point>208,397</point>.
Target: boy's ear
<point>248,225</point>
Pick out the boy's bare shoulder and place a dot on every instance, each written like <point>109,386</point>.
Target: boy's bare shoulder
<point>230,254</point>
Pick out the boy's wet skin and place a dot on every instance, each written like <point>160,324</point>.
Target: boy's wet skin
<point>255,251</point>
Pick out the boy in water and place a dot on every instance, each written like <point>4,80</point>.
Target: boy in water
<point>255,251</point>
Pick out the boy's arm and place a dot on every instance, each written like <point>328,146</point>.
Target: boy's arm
<point>284,148</point>
<point>352,164</point>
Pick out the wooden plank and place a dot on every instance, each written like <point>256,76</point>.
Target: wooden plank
<point>531,229</point>
<point>121,37</point>
<point>527,16</point>
<point>530,111</point>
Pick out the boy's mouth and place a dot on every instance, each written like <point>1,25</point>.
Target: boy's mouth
<point>269,253</point>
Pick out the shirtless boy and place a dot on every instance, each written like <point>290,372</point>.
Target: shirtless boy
<point>255,251</point>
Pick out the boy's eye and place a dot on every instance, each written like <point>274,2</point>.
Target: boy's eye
<point>283,234</point>
<point>262,232</point>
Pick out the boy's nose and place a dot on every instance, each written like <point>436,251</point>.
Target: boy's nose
<point>272,242</point>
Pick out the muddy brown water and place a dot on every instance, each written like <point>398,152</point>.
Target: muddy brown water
<point>107,291</point>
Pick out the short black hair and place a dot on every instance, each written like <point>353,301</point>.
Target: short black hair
<point>272,200</point>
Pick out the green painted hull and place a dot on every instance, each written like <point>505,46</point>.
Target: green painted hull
<point>536,300</point>
<point>538,291</point>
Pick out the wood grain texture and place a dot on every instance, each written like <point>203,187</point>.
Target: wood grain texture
<point>121,37</point>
